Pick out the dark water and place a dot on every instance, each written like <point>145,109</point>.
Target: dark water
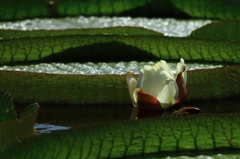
<point>60,117</point>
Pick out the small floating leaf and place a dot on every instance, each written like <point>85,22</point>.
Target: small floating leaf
<point>12,129</point>
<point>7,111</point>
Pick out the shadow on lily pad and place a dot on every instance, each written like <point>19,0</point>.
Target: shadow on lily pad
<point>107,52</point>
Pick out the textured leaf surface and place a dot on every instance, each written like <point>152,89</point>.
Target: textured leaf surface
<point>7,111</point>
<point>217,9</point>
<point>17,129</point>
<point>214,83</point>
<point>115,48</point>
<point>127,138</point>
<point>6,34</point>
<point>14,9</point>
<point>219,30</point>
<point>110,89</point>
<point>27,9</point>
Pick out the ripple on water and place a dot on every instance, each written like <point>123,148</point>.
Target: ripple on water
<point>169,27</point>
<point>100,68</point>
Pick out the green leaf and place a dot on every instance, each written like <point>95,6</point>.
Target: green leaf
<point>16,129</point>
<point>11,128</point>
<point>28,87</point>
<point>116,48</point>
<point>216,9</point>
<point>6,34</point>
<point>149,8</point>
<point>15,10</point>
<point>128,138</point>
<point>228,30</point>
<point>215,83</point>
<point>7,111</point>
<point>29,110</point>
<point>95,7</point>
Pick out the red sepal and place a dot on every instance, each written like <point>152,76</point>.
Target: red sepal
<point>147,102</point>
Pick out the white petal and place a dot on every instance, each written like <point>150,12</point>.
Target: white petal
<point>151,80</point>
<point>169,93</point>
<point>141,78</point>
<point>181,67</point>
<point>165,67</point>
<point>135,95</point>
<point>147,81</point>
<point>131,83</point>
<point>185,77</point>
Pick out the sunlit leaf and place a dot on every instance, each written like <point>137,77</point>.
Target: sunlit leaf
<point>28,87</point>
<point>217,9</point>
<point>219,30</point>
<point>214,83</point>
<point>15,10</point>
<point>127,138</point>
<point>6,34</point>
<point>115,48</point>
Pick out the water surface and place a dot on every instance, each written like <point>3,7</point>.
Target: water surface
<point>100,68</point>
<point>169,27</point>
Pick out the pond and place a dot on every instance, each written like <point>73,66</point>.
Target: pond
<point>62,117</point>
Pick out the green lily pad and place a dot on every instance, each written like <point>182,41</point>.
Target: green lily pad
<point>28,87</point>
<point>228,30</point>
<point>136,137</point>
<point>15,10</point>
<point>6,34</point>
<point>216,9</point>
<point>116,47</point>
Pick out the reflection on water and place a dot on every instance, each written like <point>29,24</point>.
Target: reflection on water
<point>64,116</point>
<point>218,106</point>
<point>213,107</point>
<point>79,115</point>
<point>47,128</point>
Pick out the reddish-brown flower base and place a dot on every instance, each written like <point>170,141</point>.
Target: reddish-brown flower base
<point>147,101</point>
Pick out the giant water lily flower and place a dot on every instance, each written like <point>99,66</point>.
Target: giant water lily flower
<point>158,87</point>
